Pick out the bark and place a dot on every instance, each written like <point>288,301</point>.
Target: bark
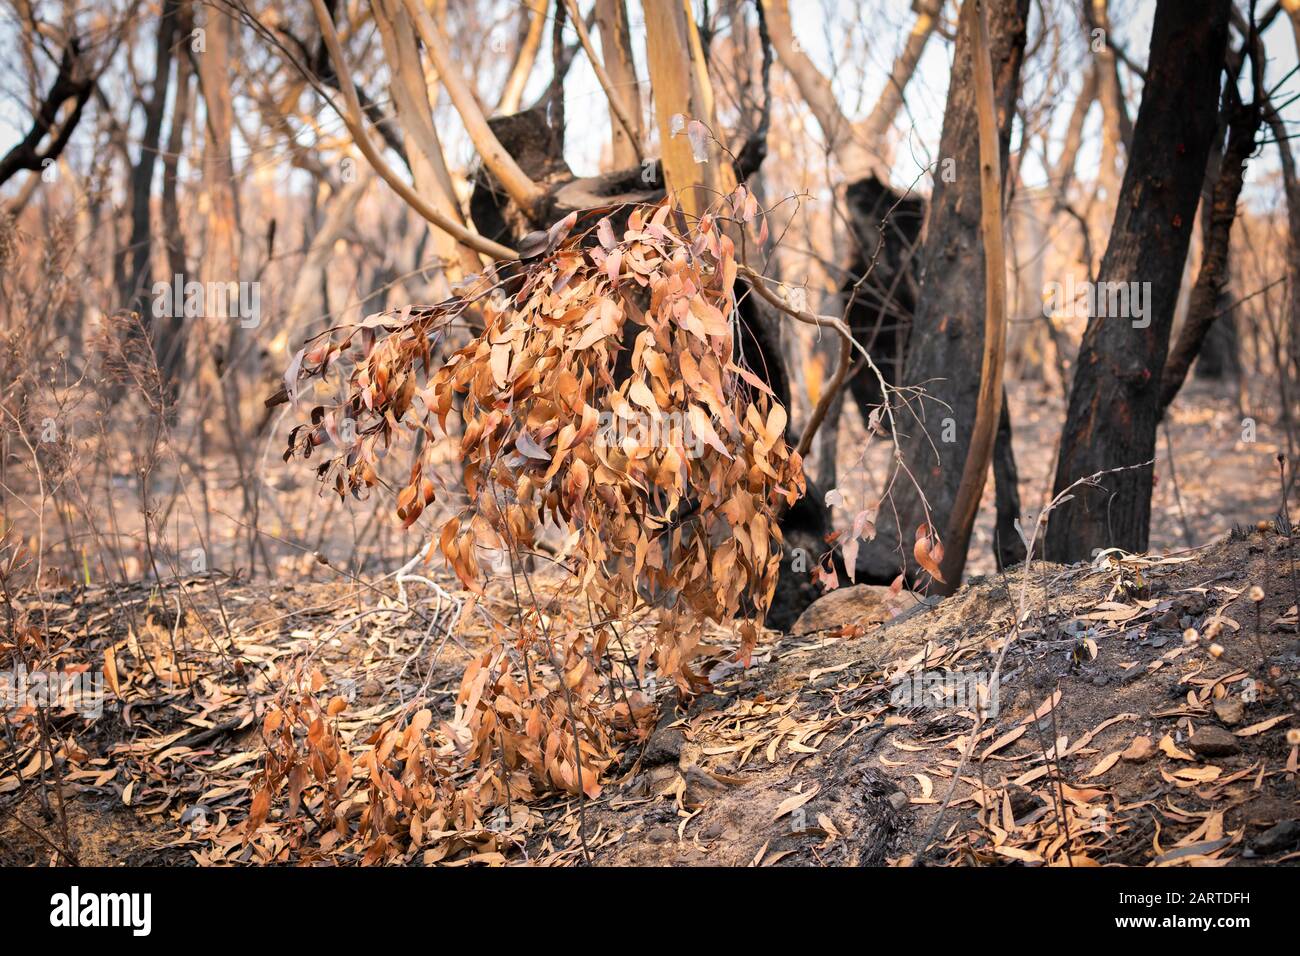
<point>523,68</point>
<point>220,262</point>
<point>353,117</point>
<point>946,343</point>
<point>221,258</point>
<point>620,116</point>
<point>681,89</point>
<point>168,331</point>
<point>1291,183</point>
<point>136,274</point>
<point>72,82</point>
<point>522,189</point>
<point>989,397</point>
<point>1115,398</point>
<point>616,48</point>
<point>424,149</point>
<point>1008,547</point>
<point>1218,213</point>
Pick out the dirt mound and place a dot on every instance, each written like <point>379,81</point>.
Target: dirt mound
<point>1112,736</point>
<point>1094,751</point>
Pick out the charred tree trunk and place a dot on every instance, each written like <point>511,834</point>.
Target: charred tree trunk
<point>1205,307</point>
<point>1008,547</point>
<point>137,273</point>
<point>881,288</point>
<point>1115,399</point>
<point>168,331</point>
<point>947,336</point>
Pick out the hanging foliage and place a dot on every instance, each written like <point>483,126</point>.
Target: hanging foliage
<point>604,398</point>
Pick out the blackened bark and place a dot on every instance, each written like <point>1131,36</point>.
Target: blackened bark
<point>881,289</point>
<point>1218,214</point>
<point>72,82</point>
<point>168,331</point>
<point>878,298</point>
<point>1115,399</point>
<point>1008,547</point>
<point>136,273</point>
<point>946,343</point>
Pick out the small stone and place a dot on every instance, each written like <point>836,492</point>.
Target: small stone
<point>1023,801</point>
<point>1277,838</point>
<point>1230,711</point>
<point>661,835</point>
<point>1139,751</point>
<point>1168,620</point>
<point>860,604</point>
<point>1214,742</point>
<point>664,746</point>
<point>898,799</point>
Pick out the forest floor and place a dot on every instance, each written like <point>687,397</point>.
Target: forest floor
<point>1113,740</point>
<point>1223,470</point>
<point>1160,751</point>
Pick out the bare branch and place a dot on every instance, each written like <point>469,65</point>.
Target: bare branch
<point>352,117</point>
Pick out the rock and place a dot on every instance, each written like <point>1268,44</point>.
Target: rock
<point>1214,742</point>
<point>664,746</point>
<point>1275,839</point>
<point>701,786</point>
<point>712,830</point>
<point>658,777</point>
<point>898,799</point>
<point>1023,801</point>
<point>1230,711</point>
<point>861,604</point>
<point>1139,751</point>
<point>661,835</point>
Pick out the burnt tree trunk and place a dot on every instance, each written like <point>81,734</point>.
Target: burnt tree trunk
<point>946,341</point>
<point>1008,547</point>
<point>168,331</point>
<point>136,272</point>
<point>1115,399</point>
<point>1218,212</point>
